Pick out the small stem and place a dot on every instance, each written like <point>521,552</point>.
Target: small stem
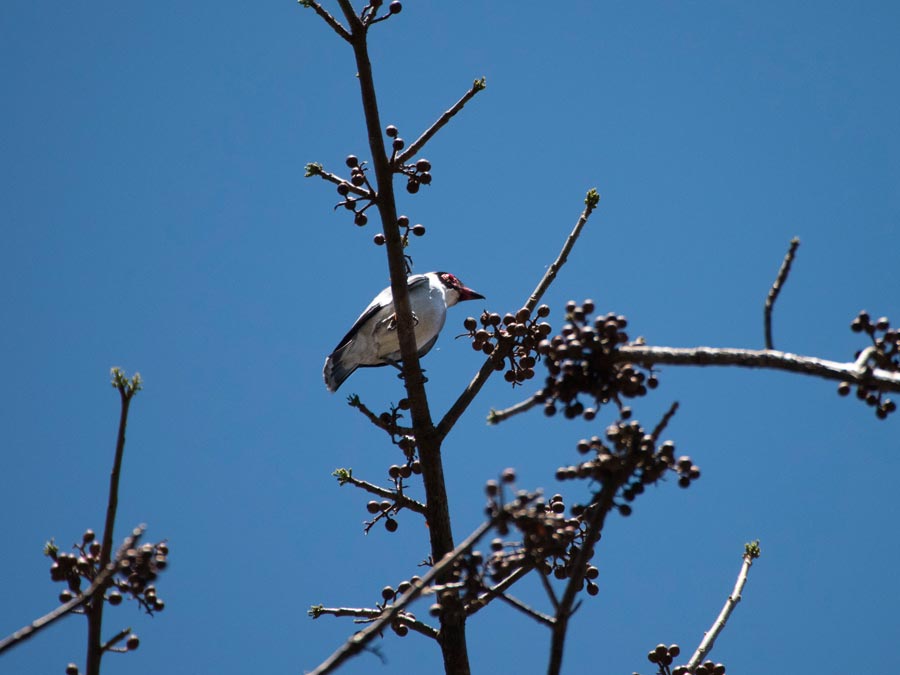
<point>393,495</point>
<point>776,289</point>
<point>420,142</point>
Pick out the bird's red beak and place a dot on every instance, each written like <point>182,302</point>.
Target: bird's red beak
<point>468,294</point>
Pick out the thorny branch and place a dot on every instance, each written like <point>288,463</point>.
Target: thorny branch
<point>776,289</point>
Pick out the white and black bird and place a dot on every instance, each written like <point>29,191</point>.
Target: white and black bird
<point>373,340</point>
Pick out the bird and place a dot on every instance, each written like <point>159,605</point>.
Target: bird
<point>373,340</point>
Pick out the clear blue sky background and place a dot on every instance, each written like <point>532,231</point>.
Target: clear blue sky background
<point>155,217</point>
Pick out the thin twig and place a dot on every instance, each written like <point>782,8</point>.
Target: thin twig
<point>751,551</point>
<point>96,587</point>
<point>373,614</point>
<point>398,498</point>
<point>664,422</point>
<point>390,427</point>
<point>358,641</point>
<point>330,20</point>
<point>420,142</point>
<point>776,289</point>
<point>110,644</point>
<point>548,587</point>
<point>493,592</point>
<point>540,617</point>
<point>852,372</point>
<point>471,391</point>
<point>317,170</point>
<point>127,389</point>
<point>497,416</point>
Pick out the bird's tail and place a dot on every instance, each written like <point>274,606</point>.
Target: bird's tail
<point>335,371</point>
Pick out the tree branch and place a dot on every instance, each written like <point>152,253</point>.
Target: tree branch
<point>97,587</point>
<point>127,389</point>
<point>471,391</point>
<point>857,372</point>
<point>497,416</point>
<point>420,142</point>
<point>453,637</point>
<point>373,614</point>
<point>397,497</point>
<point>358,641</point>
<point>540,617</point>
<point>751,551</point>
<point>330,20</point>
<point>776,289</point>
<point>602,506</point>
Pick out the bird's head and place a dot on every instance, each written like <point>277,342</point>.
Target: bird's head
<point>455,290</point>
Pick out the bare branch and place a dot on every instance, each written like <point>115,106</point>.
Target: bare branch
<point>497,416</point>
<point>391,428</point>
<point>601,507</point>
<point>495,591</point>
<point>397,497</point>
<point>358,641</point>
<point>664,422</point>
<point>420,142</point>
<point>97,587</point>
<point>776,289</point>
<point>540,617</point>
<point>127,389</point>
<point>373,614</point>
<point>313,169</point>
<point>330,20</point>
<point>471,391</point>
<point>853,372</point>
<point>751,551</point>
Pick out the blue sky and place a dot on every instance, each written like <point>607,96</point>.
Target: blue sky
<point>155,217</point>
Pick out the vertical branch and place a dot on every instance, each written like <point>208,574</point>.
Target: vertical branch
<point>452,637</point>
<point>751,552</point>
<point>776,289</point>
<point>602,506</point>
<point>94,610</point>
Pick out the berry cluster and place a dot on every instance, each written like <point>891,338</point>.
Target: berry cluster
<point>388,595</point>
<point>548,539</point>
<point>358,179</point>
<point>417,174</point>
<point>886,355</point>
<point>663,656</point>
<point>134,576</point>
<point>579,362</point>
<point>513,338</point>
<point>403,223</point>
<point>628,458</point>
